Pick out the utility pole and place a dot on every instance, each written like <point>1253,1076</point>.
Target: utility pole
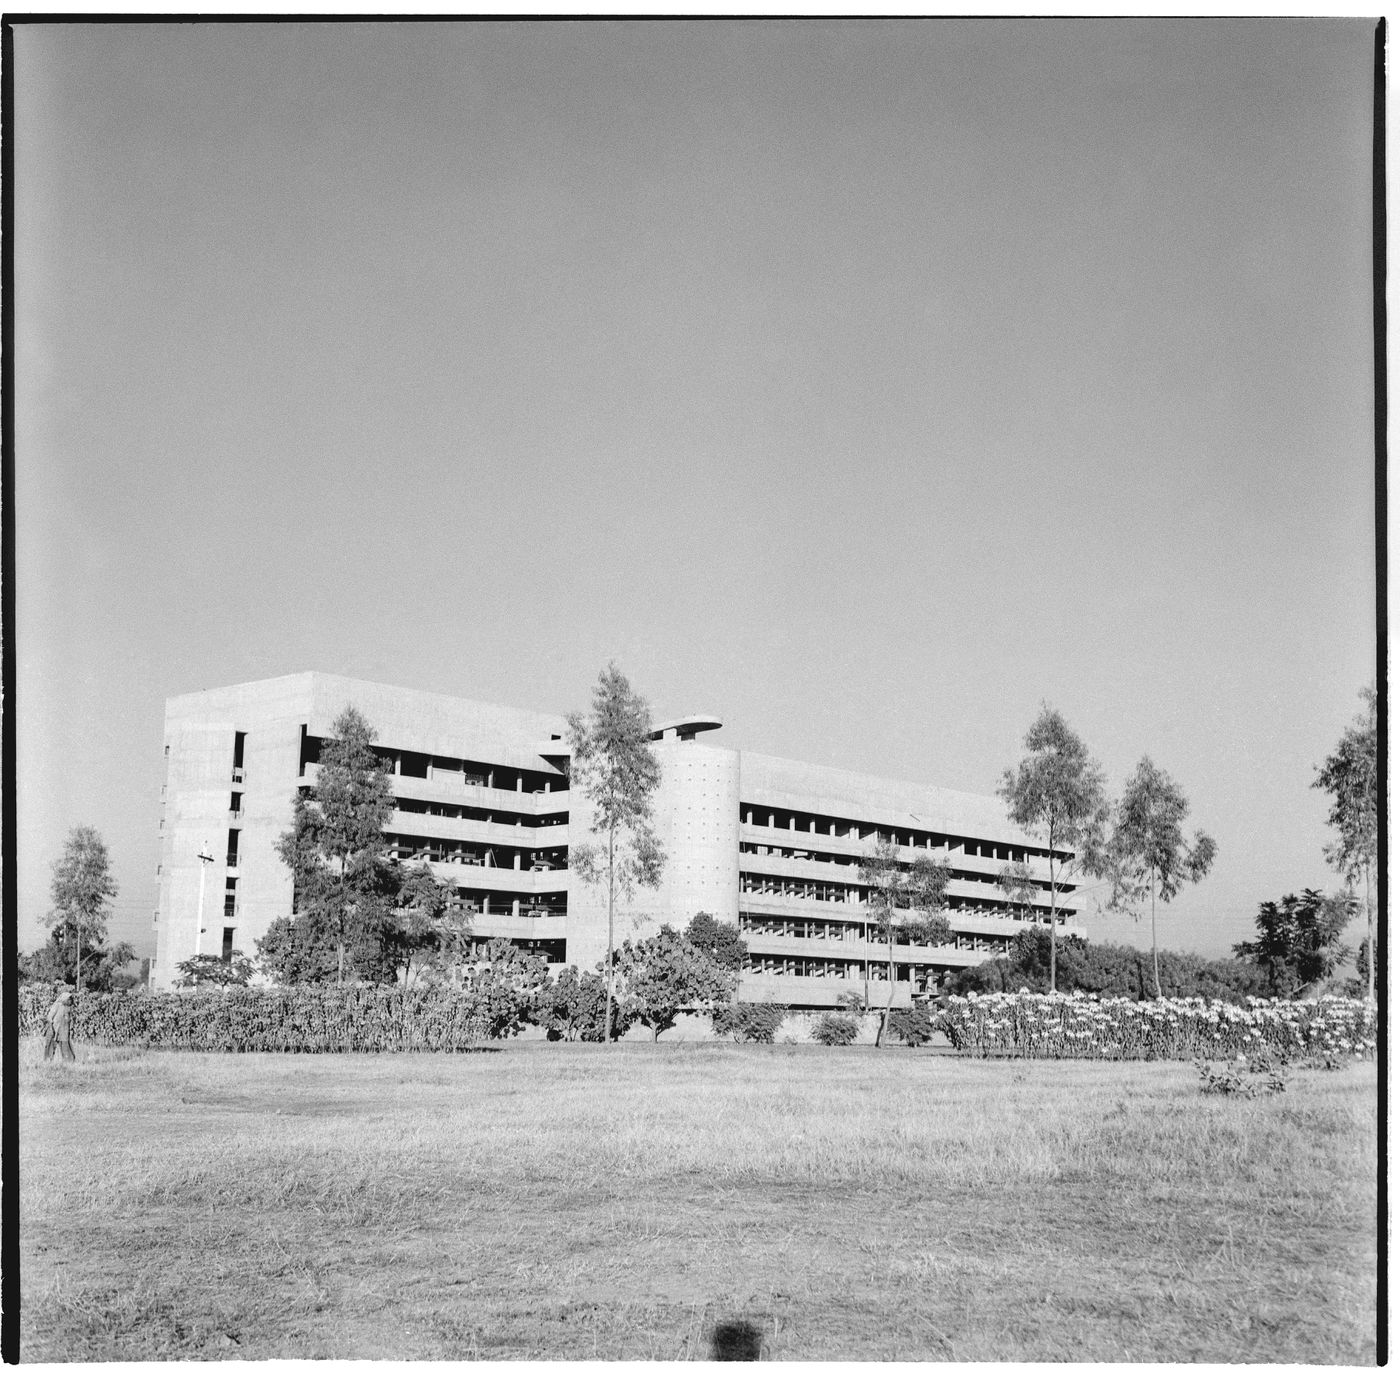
<point>205,858</point>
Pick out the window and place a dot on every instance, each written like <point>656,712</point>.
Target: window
<point>228,943</point>
<point>231,896</point>
<point>233,847</point>
<point>235,805</point>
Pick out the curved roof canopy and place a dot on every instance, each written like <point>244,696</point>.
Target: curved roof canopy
<point>687,726</point>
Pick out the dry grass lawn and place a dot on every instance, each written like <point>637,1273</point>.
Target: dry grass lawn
<point>574,1202</point>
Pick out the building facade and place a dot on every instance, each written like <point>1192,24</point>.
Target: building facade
<point>482,795</point>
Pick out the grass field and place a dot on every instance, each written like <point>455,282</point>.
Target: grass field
<point>577,1202</point>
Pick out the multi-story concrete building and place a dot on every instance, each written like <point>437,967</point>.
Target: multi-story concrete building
<point>482,794</point>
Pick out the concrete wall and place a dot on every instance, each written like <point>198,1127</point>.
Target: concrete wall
<point>696,814</point>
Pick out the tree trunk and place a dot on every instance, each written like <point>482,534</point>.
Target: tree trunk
<point>1053,926</point>
<point>608,1005</point>
<point>78,956</point>
<point>1156,971</point>
<point>340,962</point>
<point>1370,943</point>
<point>889,997</point>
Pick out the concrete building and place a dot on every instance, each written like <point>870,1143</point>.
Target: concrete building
<point>482,794</point>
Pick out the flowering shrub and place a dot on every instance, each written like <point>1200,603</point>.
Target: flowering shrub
<point>1058,1027</point>
<point>351,1019</point>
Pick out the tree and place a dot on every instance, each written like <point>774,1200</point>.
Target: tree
<point>299,949</point>
<point>892,892</point>
<point>615,769</point>
<point>61,959</point>
<point>1056,793</point>
<point>572,1007</point>
<point>1019,888</point>
<point>506,983</point>
<point>723,943</point>
<point>665,975</point>
<point>1299,939</point>
<point>1150,857</point>
<point>343,880</point>
<point>1350,776</point>
<point>1363,968</point>
<point>209,970</point>
<point>82,890</point>
<point>422,925</point>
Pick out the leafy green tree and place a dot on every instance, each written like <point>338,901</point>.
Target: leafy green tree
<point>82,890</point>
<point>297,950</point>
<point>506,983</point>
<point>423,926</point>
<point>573,1007</point>
<point>906,905</point>
<point>1150,857</point>
<point>1019,888</point>
<point>1351,777</point>
<point>1056,794</point>
<point>344,883</point>
<point>723,943</point>
<point>67,952</point>
<point>1299,939</point>
<point>616,770</point>
<point>665,975</point>
<point>1369,983</point>
<point>210,970</point>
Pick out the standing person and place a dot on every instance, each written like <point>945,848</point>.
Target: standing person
<point>56,1026</point>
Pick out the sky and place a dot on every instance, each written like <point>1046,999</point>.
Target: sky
<point>865,384</point>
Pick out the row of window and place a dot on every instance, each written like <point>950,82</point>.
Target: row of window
<point>790,965</point>
<point>413,848</point>
<point>799,889</point>
<point>854,860</point>
<point>446,810</point>
<point>865,831</point>
<point>455,771</point>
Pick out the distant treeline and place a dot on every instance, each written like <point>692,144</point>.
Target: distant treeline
<point>1110,970</point>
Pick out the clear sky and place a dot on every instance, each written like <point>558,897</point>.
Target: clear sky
<point>864,384</point>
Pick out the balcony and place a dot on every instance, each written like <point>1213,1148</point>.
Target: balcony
<point>238,774</point>
<point>854,849</point>
<point>232,860</point>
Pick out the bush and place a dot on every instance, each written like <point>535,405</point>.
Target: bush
<point>1060,1026</point>
<point>832,1029</point>
<point>914,1026</point>
<point>756,1021</point>
<point>272,1019</point>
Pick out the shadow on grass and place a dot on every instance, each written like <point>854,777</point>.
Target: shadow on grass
<point>736,1340</point>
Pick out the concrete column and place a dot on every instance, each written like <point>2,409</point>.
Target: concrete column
<point>515,906</point>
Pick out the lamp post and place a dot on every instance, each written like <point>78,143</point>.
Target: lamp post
<point>205,858</point>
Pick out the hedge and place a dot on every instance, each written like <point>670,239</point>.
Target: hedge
<point>279,1019</point>
<point>1058,1026</point>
